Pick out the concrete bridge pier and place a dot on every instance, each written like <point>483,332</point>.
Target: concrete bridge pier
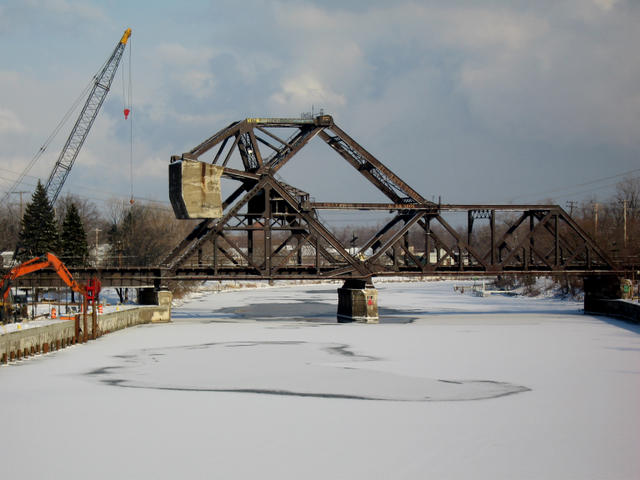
<point>358,301</point>
<point>157,296</point>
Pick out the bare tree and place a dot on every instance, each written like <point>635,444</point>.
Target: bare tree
<point>9,228</point>
<point>143,233</point>
<point>89,212</point>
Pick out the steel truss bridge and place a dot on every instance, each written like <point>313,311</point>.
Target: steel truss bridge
<point>271,230</point>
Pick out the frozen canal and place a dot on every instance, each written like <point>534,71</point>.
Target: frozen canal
<point>265,384</point>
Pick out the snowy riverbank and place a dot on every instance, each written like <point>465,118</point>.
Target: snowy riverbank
<point>264,383</point>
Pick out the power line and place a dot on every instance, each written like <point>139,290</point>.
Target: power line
<point>48,141</point>
<point>591,182</point>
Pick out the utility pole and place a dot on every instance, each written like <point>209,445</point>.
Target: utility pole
<point>595,220</point>
<point>571,204</point>
<point>20,193</point>
<point>624,219</point>
<point>97,230</point>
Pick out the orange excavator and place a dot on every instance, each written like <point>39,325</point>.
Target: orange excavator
<point>88,292</point>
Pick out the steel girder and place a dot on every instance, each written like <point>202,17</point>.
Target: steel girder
<point>271,230</point>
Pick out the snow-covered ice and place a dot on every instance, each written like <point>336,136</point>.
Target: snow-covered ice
<point>265,383</point>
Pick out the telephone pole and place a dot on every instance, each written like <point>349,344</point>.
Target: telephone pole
<point>571,204</point>
<point>595,220</point>
<point>97,230</point>
<point>20,193</point>
<point>624,220</point>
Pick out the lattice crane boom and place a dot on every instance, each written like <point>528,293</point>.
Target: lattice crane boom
<point>84,122</point>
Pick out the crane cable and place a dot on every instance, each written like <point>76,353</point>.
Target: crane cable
<point>49,139</point>
<point>127,98</point>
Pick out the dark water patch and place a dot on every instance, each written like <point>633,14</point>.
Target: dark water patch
<point>104,370</point>
<point>624,349</point>
<point>343,350</point>
<point>286,368</point>
<point>306,311</point>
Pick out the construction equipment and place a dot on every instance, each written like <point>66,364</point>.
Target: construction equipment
<point>99,89</point>
<point>101,85</point>
<point>89,292</point>
<point>82,126</point>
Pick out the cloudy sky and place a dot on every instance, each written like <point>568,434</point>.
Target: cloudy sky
<point>476,102</point>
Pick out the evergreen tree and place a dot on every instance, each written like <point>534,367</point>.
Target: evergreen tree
<point>39,233</point>
<point>75,249</point>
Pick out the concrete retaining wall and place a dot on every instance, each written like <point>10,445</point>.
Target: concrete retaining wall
<point>33,341</point>
<point>37,340</point>
<point>625,309</point>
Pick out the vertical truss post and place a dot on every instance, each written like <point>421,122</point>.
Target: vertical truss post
<point>267,229</point>
<point>531,240</point>
<point>492,225</point>
<point>215,254</point>
<point>427,241</point>
<point>556,241</point>
<point>250,235</point>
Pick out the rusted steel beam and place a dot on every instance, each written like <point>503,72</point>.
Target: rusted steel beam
<point>540,224</point>
<point>417,261</point>
<point>266,143</point>
<point>239,251</point>
<point>256,149</point>
<point>320,229</point>
<point>231,150</point>
<point>585,237</point>
<point>203,227</point>
<point>212,141</point>
<point>371,206</point>
<point>235,174</point>
<point>388,190</point>
<point>277,161</point>
<point>497,207</point>
<point>545,246</point>
<point>292,253</point>
<point>388,175</point>
<point>461,243</point>
<point>375,241</point>
<point>220,150</point>
<point>409,222</point>
<point>219,226</point>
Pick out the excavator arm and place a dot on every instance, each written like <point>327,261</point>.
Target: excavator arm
<point>39,263</point>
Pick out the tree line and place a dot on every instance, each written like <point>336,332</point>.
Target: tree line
<point>81,234</point>
<point>140,234</point>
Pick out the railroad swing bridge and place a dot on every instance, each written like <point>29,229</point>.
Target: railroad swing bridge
<point>266,229</point>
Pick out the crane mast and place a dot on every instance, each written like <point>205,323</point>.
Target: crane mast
<point>84,122</point>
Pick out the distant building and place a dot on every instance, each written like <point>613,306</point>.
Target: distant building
<point>6,258</point>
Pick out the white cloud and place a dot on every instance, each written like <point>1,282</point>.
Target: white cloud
<point>199,84</point>
<point>69,9</point>
<point>304,90</point>
<point>9,122</point>
<point>524,74</point>
<point>605,5</point>
<point>187,68</point>
<point>178,55</point>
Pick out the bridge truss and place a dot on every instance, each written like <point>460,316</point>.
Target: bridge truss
<point>271,230</point>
